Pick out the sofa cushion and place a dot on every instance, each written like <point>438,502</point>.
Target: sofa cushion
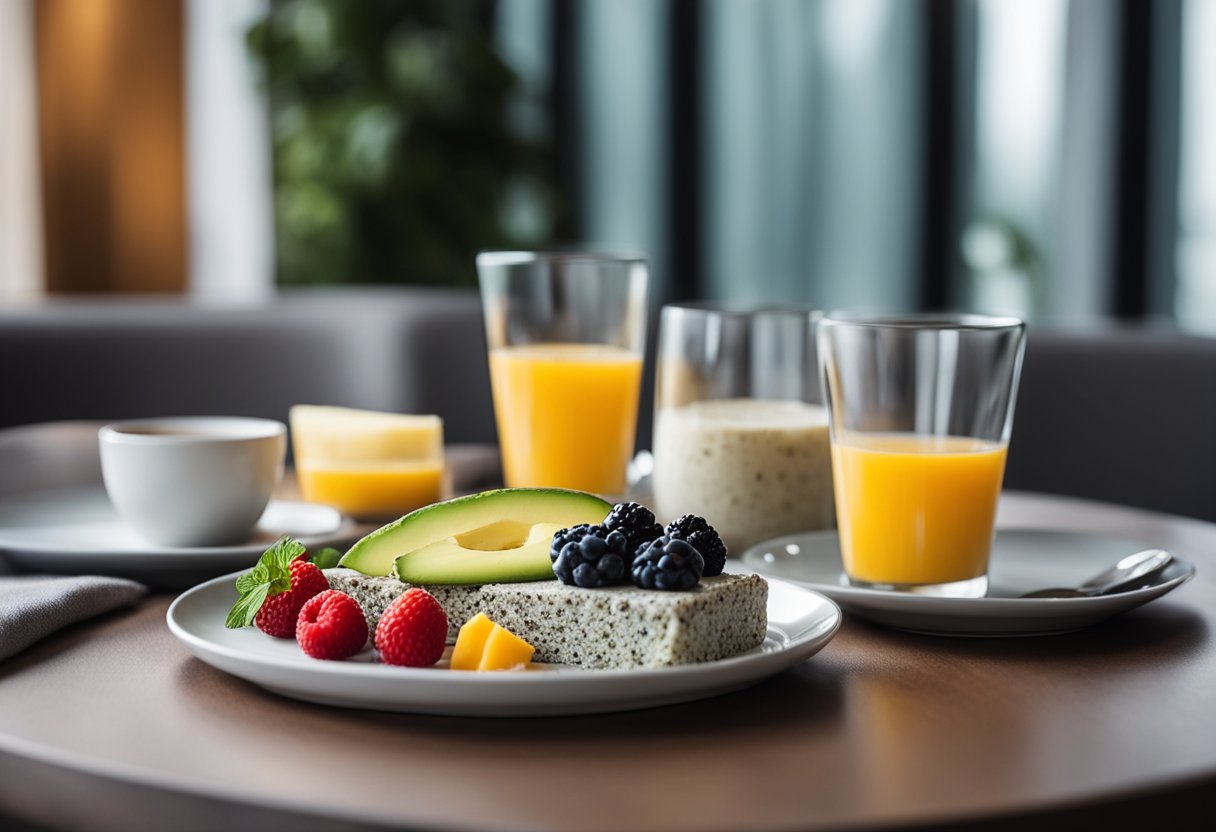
<point>408,350</point>
<point>1122,414</point>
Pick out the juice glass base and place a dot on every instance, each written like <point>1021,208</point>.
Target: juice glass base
<point>970,588</point>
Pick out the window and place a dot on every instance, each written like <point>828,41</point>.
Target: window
<point>1195,300</point>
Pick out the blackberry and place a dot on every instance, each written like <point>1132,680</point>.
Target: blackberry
<point>589,556</point>
<point>704,538</point>
<point>667,563</point>
<point>635,521</point>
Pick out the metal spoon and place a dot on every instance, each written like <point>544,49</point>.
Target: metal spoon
<point>1128,573</point>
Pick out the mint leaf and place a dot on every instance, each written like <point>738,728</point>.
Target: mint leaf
<point>246,582</point>
<point>327,558</point>
<point>282,553</point>
<point>246,607</point>
<point>270,576</point>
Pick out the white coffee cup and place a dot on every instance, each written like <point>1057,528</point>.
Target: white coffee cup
<point>192,481</point>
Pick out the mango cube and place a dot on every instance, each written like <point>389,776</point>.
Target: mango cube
<point>505,650</point>
<point>484,645</point>
<point>471,642</point>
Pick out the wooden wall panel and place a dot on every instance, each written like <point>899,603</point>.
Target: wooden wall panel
<point>111,113</point>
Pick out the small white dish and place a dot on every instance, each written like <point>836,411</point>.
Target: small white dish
<point>78,531</point>
<point>800,624</point>
<point>1022,561</point>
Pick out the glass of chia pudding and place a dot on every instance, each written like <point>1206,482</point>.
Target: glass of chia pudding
<point>739,435</point>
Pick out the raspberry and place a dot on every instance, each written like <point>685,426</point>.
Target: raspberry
<point>667,563</point>
<point>271,594</point>
<point>331,626</point>
<point>278,613</point>
<point>635,521</point>
<point>704,538</point>
<point>413,630</point>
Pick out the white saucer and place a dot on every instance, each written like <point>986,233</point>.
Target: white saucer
<point>78,531</point>
<point>800,623</point>
<point>1022,561</point>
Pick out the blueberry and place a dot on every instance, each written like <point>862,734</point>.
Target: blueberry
<point>667,563</point>
<point>589,556</point>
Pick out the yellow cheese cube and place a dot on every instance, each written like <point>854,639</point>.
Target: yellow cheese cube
<point>505,650</point>
<point>368,465</point>
<point>471,642</point>
<point>345,435</point>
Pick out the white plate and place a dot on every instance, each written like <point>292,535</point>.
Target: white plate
<point>1022,560</point>
<point>800,623</point>
<point>78,531</point>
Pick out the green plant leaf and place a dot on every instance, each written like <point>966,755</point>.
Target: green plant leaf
<point>246,608</point>
<point>270,576</point>
<point>397,131</point>
<point>327,558</point>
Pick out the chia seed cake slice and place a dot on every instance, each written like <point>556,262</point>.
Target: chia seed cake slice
<point>375,594</point>
<point>615,628</point>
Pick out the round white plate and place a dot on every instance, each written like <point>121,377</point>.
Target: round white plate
<point>78,531</point>
<point>1022,561</point>
<point>800,623</point>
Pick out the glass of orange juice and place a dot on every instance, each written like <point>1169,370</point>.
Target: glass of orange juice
<point>566,334</point>
<point>920,409</point>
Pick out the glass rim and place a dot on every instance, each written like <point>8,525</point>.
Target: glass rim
<point>961,321</point>
<point>739,309</point>
<point>497,258</point>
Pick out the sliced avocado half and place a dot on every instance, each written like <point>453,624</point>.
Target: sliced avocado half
<point>448,562</point>
<point>474,515</point>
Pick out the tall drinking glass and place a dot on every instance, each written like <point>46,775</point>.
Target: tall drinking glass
<point>739,437</point>
<point>921,409</point>
<point>566,334</point>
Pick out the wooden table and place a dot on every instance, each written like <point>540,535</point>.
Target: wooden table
<point>113,725</point>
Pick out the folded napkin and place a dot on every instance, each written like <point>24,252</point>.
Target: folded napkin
<point>34,606</point>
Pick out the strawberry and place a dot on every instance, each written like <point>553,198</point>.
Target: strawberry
<point>272,593</point>
<point>413,630</point>
<point>331,626</point>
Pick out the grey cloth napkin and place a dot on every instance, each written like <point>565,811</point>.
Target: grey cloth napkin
<point>34,606</point>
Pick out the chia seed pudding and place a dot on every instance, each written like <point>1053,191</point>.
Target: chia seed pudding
<point>760,468</point>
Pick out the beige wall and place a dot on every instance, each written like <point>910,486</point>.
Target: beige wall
<point>21,271</point>
<point>111,138</point>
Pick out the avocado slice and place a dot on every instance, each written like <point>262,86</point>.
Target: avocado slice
<point>448,562</point>
<point>524,507</point>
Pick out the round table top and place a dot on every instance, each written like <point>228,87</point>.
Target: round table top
<point>881,729</point>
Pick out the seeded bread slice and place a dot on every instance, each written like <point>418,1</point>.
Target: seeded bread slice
<point>614,628</point>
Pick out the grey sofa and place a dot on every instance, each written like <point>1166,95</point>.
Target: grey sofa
<point>1122,414</point>
<point>412,351</point>
<point>1125,414</point>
